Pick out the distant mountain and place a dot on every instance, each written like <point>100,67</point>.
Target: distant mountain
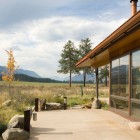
<point>89,77</point>
<point>57,78</point>
<point>21,71</point>
<point>23,77</point>
<point>27,72</point>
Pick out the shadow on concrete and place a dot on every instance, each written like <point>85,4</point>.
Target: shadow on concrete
<point>41,130</point>
<point>35,131</point>
<point>60,133</point>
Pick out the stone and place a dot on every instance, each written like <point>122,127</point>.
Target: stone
<point>96,104</point>
<point>134,125</point>
<point>53,106</point>
<point>15,134</point>
<point>42,104</point>
<point>16,122</point>
<point>13,125</point>
<point>7,103</point>
<point>88,106</point>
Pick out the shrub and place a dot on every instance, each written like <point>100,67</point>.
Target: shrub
<point>3,127</point>
<point>105,106</point>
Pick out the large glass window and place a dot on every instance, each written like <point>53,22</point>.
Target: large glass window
<point>115,77</point>
<point>119,83</point>
<point>123,76</point>
<point>119,76</point>
<point>136,75</point>
<point>135,102</point>
<point>136,110</point>
<point>119,104</point>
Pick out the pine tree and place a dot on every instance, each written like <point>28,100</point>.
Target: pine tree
<point>85,48</point>
<point>104,74</point>
<point>68,60</point>
<point>9,74</point>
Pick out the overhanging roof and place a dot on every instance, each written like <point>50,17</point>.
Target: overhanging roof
<point>121,41</point>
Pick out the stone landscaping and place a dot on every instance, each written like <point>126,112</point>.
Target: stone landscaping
<point>15,129</point>
<point>15,134</point>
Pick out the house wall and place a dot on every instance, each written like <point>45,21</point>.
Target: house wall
<point>125,84</point>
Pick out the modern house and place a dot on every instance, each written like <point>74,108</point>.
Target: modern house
<point>121,50</point>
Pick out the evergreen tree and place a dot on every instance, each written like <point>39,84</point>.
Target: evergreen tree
<point>84,48</point>
<point>69,57</point>
<point>104,74</point>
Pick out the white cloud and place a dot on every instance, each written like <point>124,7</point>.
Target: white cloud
<point>38,44</point>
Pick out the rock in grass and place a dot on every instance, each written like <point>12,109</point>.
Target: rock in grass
<point>96,104</point>
<point>15,134</point>
<point>53,106</point>
<point>16,122</point>
<point>14,125</point>
<point>6,103</point>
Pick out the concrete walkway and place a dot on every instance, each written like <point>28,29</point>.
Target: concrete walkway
<point>81,124</point>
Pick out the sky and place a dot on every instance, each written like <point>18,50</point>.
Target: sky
<point>37,30</point>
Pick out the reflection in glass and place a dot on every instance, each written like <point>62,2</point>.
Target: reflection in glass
<point>115,77</point>
<point>136,110</point>
<point>119,104</point>
<point>136,75</point>
<point>119,76</point>
<point>123,76</point>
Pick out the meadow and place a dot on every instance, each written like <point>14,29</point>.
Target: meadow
<point>23,95</point>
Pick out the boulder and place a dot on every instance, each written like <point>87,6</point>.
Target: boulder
<point>134,125</point>
<point>42,104</point>
<point>15,134</point>
<point>6,103</point>
<point>96,104</point>
<point>14,125</point>
<point>88,106</point>
<point>53,106</point>
<point>16,122</point>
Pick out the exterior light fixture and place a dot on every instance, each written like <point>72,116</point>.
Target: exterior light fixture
<point>65,103</point>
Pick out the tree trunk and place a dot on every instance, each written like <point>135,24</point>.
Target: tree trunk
<point>106,77</point>
<point>9,89</point>
<point>70,78</point>
<point>84,75</point>
<point>106,81</point>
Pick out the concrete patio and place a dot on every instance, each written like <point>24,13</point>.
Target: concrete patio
<point>81,124</point>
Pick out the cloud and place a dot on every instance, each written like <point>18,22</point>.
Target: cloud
<point>38,44</point>
<point>14,11</point>
<point>37,30</point>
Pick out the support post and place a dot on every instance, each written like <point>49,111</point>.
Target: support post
<point>97,83</point>
<point>36,104</point>
<point>27,116</point>
<point>96,103</point>
<point>81,91</point>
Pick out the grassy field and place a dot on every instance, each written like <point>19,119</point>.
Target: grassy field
<point>24,93</point>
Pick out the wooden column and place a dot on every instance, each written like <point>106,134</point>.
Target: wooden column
<point>27,116</point>
<point>110,67</point>
<point>36,104</point>
<point>130,84</point>
<point>97,83</point>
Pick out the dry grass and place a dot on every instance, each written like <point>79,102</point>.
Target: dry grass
<point>24,93</point>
